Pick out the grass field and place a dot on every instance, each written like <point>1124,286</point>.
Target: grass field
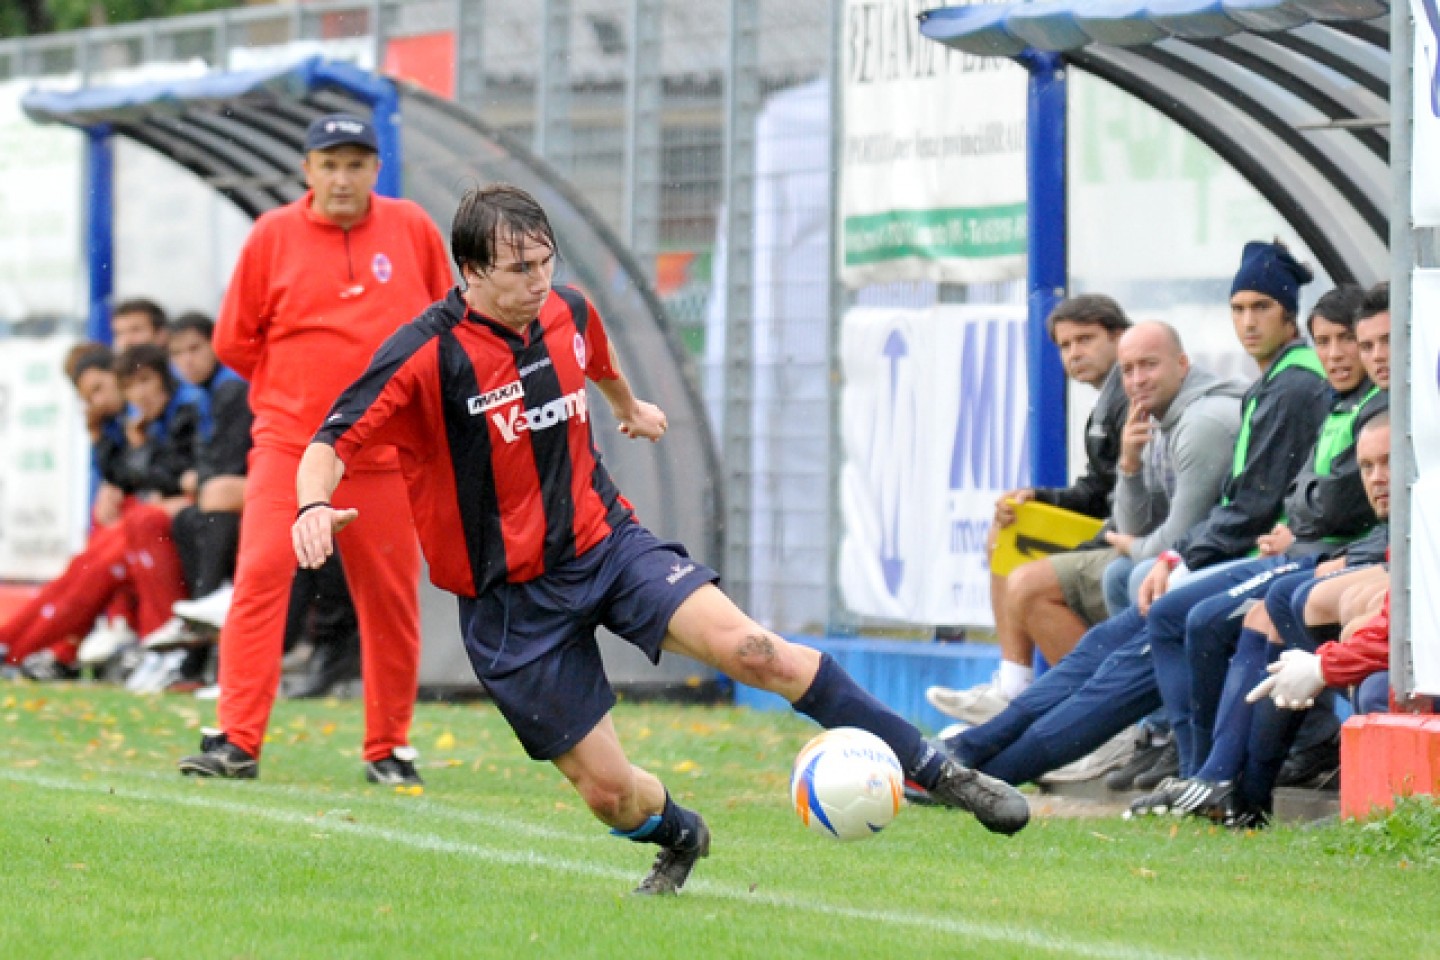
<point>105,851</point>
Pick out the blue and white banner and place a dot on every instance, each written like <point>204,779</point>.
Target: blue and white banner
<point>1425,494</point>
<point>933,425</point>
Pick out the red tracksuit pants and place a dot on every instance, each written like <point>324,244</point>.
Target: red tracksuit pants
<point>381,557</point>
<point>134,555</point>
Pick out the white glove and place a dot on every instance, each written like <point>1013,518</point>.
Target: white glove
<point>1295,680</point>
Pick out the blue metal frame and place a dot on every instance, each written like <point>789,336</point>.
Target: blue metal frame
<point>1046,226</point>
<point>381,94</point>
<point>100,229</point>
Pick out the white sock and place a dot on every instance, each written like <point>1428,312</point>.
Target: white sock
<point>1014,679</point>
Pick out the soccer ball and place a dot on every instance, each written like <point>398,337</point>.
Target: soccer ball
<point>846,784</point>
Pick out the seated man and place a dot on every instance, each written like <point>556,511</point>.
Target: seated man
<point>136,553</point>
<point>1245,745</point>
<point>1044,599</point>
<point>1108,682</point>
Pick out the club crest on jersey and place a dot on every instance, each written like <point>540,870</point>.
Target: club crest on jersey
<point>515,421</point>
<point>381,266</point>
<point>580,350</point>
<point>491,399</point>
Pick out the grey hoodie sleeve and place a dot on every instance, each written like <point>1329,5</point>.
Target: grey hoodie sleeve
<point>1199,473</point>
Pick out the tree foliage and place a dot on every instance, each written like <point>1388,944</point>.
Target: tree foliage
<point>20,18</point>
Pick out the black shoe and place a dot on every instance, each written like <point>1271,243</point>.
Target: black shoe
<point>1160,801</point>
<point>1238,816</point>
<point>1147,752</point>
<point>1314,767</point>
<point>42,667</point>
<point>672,866</point>
<point>999,807</point>
<point>396,770</point>
<point>918,795</point>
<point>218,757</point>
<point>1204,798</point>
<point>331,664</point>
<point>1166,765</point>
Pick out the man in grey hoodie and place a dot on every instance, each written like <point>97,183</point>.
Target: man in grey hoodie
<point>1169,475</point>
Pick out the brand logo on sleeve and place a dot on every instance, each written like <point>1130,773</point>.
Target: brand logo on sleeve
<point>495,398</point>
<point>580,350</point>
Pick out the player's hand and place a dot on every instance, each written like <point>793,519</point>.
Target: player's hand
<point>1120,541</point>
<point>108,501</point>
<point>646,421</point>
<point>313,533</point>
<point>1294,682</point>
<point>1153,587</point>
<point>1138,430</point>
<point>1276,542</point>
<point>1005,506</point>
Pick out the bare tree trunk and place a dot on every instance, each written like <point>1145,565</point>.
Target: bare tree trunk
<point>37,17</point>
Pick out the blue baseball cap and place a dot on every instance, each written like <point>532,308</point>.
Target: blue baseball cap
<point>339,130</point>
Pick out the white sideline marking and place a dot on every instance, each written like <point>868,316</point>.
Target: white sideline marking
<point>423,841</point>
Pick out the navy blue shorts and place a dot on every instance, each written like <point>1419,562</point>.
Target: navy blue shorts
<point>533,644</point>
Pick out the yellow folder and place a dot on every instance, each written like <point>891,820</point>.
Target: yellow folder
<point>1038,531</point>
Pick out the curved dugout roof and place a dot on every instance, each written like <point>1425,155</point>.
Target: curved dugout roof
<point>1294,94</point>
<point>242,134</point>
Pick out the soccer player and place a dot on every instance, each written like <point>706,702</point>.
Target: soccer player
<point>484,395</point>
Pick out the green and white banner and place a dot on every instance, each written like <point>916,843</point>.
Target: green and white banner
<point>933,155</point>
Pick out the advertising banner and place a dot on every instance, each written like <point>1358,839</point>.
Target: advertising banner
<point>40,509</point>
<point>933,423</point>
<point>1425,143</point>
<point>1425,495</point>
<point>933,157</point>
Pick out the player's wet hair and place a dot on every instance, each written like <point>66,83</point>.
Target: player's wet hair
<point>1338,306</point>
<point>489,217</point>
<point>145,356</point>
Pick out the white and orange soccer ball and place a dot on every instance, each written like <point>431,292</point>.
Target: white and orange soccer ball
<point>847,784</point>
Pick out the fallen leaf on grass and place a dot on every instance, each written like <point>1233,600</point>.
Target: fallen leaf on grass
<point>1144,873</point>
<point>415,791</point>
<point>685,766</point>
<point>26,764</point>
<point>1101,836</point>
<point>446,741</point>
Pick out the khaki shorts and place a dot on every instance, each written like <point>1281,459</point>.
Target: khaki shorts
<point>1080,573</point>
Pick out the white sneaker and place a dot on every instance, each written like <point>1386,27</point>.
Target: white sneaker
<point>207,611</point>
<point>211,692</point>
<point>108,637</point>
<point>974,706</point>
<point>1110,755</point>
<point>171,635</point>
<point>156,672</point>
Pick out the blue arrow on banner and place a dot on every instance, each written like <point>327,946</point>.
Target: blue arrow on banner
<point>892,565</point>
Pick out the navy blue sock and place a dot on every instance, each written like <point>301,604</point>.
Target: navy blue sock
<point>1233,717</point>
<point>673,828</point>
<point>836,700</point>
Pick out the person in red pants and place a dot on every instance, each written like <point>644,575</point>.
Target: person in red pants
<point>319,285</point>
<point>149,469</point>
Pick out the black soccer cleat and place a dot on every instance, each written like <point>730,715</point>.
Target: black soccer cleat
<point>396,770</point>
<point>673,865</point>
<point>999,807</point>
<point>218,757</point>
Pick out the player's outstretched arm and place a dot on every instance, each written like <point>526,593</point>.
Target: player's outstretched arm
<point>638,418</point>
<point>316,523</point>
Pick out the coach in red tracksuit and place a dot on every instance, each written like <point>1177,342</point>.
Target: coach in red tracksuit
<point>320,284</point>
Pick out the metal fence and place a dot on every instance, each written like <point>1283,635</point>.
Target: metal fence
<point>650,108</point>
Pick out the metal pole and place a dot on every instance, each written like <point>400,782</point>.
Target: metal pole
<point>552,86</point>
<point>641,209</point>
<point>742,105</point>
<point>1402,262</point>
<point>470,53</point>
<point>386,117</point>
<point>841,621</point>
<point>1046,226</point>
<point>100,229</point>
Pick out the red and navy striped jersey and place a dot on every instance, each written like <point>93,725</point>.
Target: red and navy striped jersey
<point>493,430</point>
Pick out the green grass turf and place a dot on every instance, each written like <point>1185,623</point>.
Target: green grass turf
<point>105,851</point>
